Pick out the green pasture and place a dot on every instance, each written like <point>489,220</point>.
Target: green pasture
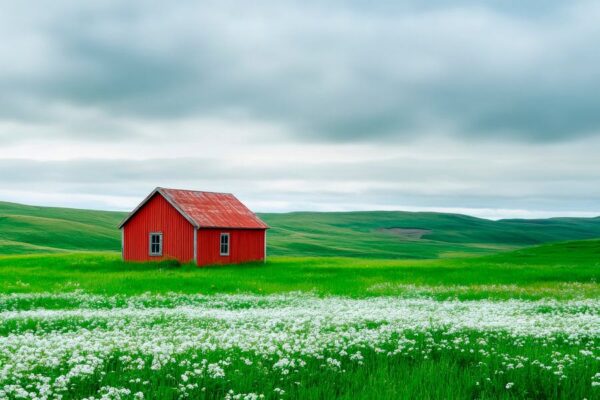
<point>565,270</point>
<point>53,253</point>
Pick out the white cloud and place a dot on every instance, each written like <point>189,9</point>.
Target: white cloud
<point>487,179</point>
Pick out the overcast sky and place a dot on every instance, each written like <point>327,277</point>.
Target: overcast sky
<point>485,108</point>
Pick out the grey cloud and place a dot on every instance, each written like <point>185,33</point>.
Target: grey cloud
<point>342,71</point>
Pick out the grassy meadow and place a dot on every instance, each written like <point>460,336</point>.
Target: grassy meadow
<point>295,346</point>
<point>348,306</point>
<point>569,269</point>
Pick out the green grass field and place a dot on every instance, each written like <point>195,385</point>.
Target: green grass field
<point>570,269</point>
<point>520,324</point>
<point>370,306</point>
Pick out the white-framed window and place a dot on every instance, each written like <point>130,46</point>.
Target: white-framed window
<point>224,244</point>
<point>155,246</point>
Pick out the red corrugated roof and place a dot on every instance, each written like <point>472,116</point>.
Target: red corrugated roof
<point>208,209</point>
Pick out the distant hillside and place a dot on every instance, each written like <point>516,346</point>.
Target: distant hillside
<point>375,234</point>
<point>30,229</point>
<point>397,234</point>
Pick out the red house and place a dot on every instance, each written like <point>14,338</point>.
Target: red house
<point>191,226</point>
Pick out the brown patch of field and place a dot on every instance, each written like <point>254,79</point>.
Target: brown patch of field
<point>405,233</point>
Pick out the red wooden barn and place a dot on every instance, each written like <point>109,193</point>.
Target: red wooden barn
<point>191,226</point>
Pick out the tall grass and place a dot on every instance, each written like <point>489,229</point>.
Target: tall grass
<point>296,346</point>
<point>515,325</point>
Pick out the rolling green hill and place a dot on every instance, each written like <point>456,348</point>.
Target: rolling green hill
<point>30,229</point>
<point>398,234</point>
<point>375,234</point>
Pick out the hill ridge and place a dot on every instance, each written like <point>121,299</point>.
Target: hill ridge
<point>32,228</point>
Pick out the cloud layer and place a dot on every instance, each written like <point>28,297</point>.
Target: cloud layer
<point>304,104</point>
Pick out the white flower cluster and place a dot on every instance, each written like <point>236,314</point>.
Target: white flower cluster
<point>82,334</point>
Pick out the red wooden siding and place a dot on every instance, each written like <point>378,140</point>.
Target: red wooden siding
<point>157,215</point>
<point>244,245</point>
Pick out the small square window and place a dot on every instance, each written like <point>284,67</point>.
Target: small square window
<point>224,244</point>
<point>156,244</point>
